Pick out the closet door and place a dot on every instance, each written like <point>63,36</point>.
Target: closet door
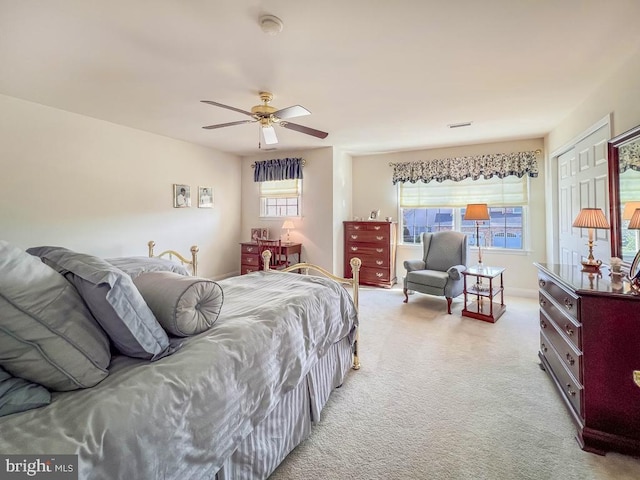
<point>582,182</point>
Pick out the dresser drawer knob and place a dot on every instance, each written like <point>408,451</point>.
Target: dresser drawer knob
<point>570,390</point>
<point>354,249</point>
<point>249,249</point>
<point>568,303</point>
<point>543,302</point>
<point>570,359</point>
<point>378,274</point>
<point>379,262</point>
<point>543,347</point>
<point>543,324</point>
<point>542,283</point>
<point>249,270</point>
<point>379,237</point>
<point>376,227</point>
<point>356,227</point>
<point>354,237</point>
<point>568,329</point>
<point>379,250</point>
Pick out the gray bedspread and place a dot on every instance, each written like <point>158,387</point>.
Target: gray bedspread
<point>183,415</point>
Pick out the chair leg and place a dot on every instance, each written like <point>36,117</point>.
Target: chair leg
<point>406,296</point>
<point>449,299</point>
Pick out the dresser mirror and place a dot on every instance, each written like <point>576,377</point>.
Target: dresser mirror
<point>624,194</point>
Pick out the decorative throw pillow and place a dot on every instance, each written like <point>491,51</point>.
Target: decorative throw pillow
<point>18,395</point>
<point>47,334</point>
<point>113,300</point>
<point>183,305</point>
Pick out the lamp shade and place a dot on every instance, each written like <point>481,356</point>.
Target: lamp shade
<point>288,224</point>
<point>477,211</point>
<point>629,208</point>
<point>591,218</point>
<point>634,223</point>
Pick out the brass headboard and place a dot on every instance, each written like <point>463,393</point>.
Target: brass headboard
<point>172,253</point>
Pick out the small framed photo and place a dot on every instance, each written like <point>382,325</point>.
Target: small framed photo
<point>259,234</point>
<point>374,214</point>
<point>181,195</point>
<point>205,197</point>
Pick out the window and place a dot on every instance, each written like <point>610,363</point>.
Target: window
<point>280,198</point>
<point>437,206</point>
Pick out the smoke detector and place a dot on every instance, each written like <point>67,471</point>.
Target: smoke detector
<point>270,24</point>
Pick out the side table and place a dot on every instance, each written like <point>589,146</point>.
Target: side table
<point>483,307</point>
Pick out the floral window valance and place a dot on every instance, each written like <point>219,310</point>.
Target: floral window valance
<point>458,168</point>
<point>278,169</point>
<point>629,157</point>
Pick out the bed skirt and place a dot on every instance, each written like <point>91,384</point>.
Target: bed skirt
<point>289,423</point>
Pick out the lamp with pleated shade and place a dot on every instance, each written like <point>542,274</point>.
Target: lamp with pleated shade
<point>591,218</point>
<point>288,225</point>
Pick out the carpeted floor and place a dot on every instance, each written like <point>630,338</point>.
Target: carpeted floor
<point>447,397</point>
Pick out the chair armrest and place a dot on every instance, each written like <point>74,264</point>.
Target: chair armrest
<point>412,265</point>
<point>455,272</point>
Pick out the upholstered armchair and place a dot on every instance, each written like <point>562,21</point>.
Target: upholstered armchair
<point>439,272</point>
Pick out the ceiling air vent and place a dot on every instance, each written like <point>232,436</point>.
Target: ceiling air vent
<point>458,125</point>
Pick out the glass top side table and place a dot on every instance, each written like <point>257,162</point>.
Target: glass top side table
<point>480,288</point>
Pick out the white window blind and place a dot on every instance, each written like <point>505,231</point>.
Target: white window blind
<point>629,186</point>
<point>496,192</point>
<point>280,188</point>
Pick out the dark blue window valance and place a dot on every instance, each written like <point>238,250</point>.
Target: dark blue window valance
<point>278,169</point>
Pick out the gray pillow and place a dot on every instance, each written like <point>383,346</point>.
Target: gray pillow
<point>18,395</point>
<point>134,266</point>
<point>183,305</point>
<point>113,300</point>
<point>47,334</point>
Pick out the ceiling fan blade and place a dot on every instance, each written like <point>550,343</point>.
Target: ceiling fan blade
<point>291,112</point>
<point>303,129</point>
<point>269,135</point>
<point>220,125</point>
<point>216,104</point>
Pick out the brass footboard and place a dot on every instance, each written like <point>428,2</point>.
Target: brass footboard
<point>354,282</point>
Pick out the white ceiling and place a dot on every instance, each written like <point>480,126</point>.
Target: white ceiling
<point>378,76</point>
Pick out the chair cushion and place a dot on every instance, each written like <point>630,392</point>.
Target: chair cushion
<point>444,251</point>
<point>113,299</point>
<point>429,278</point>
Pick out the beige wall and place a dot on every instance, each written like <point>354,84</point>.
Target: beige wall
<point>617,100</point>
<point>342,205</point>
<point>373,189</point>
<point>105,189</point>
<point>618,95</point>
<point>315,228</point>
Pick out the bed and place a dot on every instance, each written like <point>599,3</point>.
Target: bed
<point>229,402</point>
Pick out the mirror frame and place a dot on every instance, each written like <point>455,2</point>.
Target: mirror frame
<point>615,215</point>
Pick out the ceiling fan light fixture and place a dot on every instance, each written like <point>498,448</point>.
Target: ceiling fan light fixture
<point>269,135</point>
<point>270,24</point>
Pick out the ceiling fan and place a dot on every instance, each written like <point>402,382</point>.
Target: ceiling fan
<point>269,116</point>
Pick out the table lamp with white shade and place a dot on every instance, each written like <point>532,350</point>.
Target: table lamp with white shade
<point>288,224</point>
<point>591,218</point>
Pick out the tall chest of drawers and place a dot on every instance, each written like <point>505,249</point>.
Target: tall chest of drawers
<point>590,347</point>
<point>375,244</point>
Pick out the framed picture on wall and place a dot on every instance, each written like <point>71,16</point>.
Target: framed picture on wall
<point>205,197</point>
<point>181,195</point>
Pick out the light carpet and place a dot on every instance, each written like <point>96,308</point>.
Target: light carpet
<point>447,397</point>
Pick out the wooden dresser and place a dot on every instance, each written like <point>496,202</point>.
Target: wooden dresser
<point>375,244</point>
<point>590,347</point>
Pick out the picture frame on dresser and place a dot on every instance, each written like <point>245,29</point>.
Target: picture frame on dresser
<point>259,234</point>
